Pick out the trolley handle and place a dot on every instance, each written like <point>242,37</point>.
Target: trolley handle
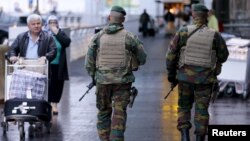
<point>6,55</point>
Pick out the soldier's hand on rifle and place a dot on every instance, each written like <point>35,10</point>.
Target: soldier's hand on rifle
<point>173,81</point>
<point>174,84</point>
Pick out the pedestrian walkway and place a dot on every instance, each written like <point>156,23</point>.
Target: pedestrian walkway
<point>151,119</point>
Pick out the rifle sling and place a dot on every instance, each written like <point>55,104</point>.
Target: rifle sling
<point>194,31</point>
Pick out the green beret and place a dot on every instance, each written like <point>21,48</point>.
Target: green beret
<point>199,7</point>
<point>118,9</point>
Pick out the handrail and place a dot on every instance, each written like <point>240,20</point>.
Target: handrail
<point>237,25</point>
<point>238,29</point>
<point>81,36</point>
<point>99,25</point>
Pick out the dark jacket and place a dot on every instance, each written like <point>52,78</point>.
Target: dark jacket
<point>46,46</point>
<point>65,42</point>
<point>169,17</point>
<point>144,18</point>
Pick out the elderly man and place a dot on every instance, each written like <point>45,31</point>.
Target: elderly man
<point>108,62</point>
<point>194,60</point>
<point>33,44</point>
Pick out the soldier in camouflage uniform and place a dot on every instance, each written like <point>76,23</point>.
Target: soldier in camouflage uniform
<point>194,60</point>
<point>109,60</point>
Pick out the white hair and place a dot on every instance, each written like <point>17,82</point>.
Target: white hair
<point>34,17</point>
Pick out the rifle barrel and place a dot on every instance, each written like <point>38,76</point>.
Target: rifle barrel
<point>169,93</point>
<point>83,95</point>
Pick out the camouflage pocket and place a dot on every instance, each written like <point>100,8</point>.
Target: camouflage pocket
<point>101,99</point>
<point>182,57</point>
<point>134,63</point>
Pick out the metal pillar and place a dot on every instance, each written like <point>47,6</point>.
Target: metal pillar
<point>37,7</point>
<point>158,2</point>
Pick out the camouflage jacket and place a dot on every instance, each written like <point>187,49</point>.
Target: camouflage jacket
<point>194,74</point>
<point>132,43</point>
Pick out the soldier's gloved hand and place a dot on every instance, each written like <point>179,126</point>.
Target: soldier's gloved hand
<point>174,84</point>
<point>13,59</point>
<point>173,81</point>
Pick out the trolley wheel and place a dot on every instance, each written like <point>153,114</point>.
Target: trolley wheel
<point>48,125</point>
<point>39,127</point>
<point>220,94</point>
<point>21,130</point>
<point>229,91</point>
<point>31,131</point>
<point>5,127</point>
<point>244,95</point>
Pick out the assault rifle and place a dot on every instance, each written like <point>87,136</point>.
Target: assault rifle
<point>133,94</point>
<point>90,86</point>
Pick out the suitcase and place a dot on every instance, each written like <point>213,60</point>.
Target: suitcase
<point>151,32</point>
<point>27,107</point>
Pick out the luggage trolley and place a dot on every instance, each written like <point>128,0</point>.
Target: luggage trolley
<point>235,75</point>
<point>26,97</point>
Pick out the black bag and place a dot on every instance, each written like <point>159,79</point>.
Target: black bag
<point>33,107</point>
<point>151,32</point>
<point>140,29</point>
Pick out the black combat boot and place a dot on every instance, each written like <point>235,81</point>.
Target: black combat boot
<point>185,134</point>
<point>200,137</point>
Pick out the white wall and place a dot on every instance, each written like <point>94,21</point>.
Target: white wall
<point>8,5</point>
<point>208,3</point>
<point>150,5</point>
<point>78,6</point>
<point>83,6</point>
<point>140,5</point>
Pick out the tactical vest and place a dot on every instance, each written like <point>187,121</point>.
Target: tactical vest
<point>112,53</point>
<point>198,50</point>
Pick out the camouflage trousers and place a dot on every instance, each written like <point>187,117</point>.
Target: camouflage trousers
<point>199,95</point>
<point>112,101</point>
